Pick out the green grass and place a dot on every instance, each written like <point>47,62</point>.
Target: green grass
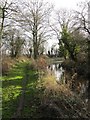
<point>12,87</point>
<point>31,96</point>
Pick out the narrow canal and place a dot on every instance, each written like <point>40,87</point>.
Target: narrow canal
<point>78,86</point>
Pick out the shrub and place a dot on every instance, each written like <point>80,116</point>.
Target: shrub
<point>5,68</point>
<point>41,63</point>
<point>68,65</point>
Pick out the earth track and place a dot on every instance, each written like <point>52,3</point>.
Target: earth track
<point>20,107</point>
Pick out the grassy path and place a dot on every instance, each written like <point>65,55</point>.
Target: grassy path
<point>22,97</point>
<point>16,86</point>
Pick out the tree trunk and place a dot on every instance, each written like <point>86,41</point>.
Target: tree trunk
<point>35,51</point>
<point>89,68</point>
<point>12,53</point>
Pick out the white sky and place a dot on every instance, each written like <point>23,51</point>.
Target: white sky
<point>67,4</point>
<point>70,4</point>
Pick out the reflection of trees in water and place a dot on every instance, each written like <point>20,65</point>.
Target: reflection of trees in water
<point>57,66</point>
<point>48,66</point>
<point>58,71</point>
<point>62,77</point>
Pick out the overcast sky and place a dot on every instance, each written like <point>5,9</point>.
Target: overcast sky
<point>67,4</point>
<point>70,4</point>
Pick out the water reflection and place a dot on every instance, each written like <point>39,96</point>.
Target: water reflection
<point>58,71</point>
<point>78,86</point>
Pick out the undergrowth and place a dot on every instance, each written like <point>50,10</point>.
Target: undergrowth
<point>44,97</point>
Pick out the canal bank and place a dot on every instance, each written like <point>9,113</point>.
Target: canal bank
<point>44,96</point>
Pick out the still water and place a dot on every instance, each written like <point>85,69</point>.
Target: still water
<point>58,71</point>
<point>77,86</point>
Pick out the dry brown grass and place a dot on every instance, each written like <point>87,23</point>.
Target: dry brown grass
<point>52,87</point>
<point>60,99</point>
<point>8,62</point>
<point>41,63</point>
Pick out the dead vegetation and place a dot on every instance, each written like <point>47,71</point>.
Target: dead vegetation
<point>58,101</point>
<point>7,63</point>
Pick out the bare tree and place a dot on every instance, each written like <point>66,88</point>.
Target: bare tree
<point>63,28</point>
<point>13,42</point>
<point>81,17</point>
<point>33,19</point>
<point>6,11</point>
<point>83,20</point>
